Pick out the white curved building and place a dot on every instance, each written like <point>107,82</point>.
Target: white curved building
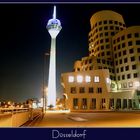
<point>112,68</point>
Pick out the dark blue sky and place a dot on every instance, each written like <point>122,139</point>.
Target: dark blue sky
<point>24,40</point>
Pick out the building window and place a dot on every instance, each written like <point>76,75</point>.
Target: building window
<point>84,103</point>
<point>103,54</point>
<point>124,52</point>
<point>107,40</point>
<point>125,60</point>
<point>112,33</point>
<point>123,37</point>
<point>116,63</point>
<point>98,60</point>
<point>110,22</point>
<point>107,46</point>
<point>132,58</point>
<point>128,76</point>
<point>138,42</point>
<point>123,45</point>
<point>105,28</point>
<point>115,55</point>
<point>120,61</point>
<point>108,52</point>
<point>100,23</point>
<point>106,33</point>
<point>135,75</point>
<point>90,61</point>
<point>138,50</point>
<point>100,29</point>
<point>119,53</point>
<point>99,90</point>
<point>81,90</point>
<point>133,67</point>
<point>121,69</point>
<point>79,79</point>
<point>118,39</point>
<point>101,41</point>
<point>136,34</point>
<point>105,22</point>
<point>123,77</point>
<point>117,28</point>
<point>130,43</point>
<point>119,47</point>
<point>117,70</point>
<point>102,47</point>
<point>130,84</point>
<point>91,90</point>
<point>73,90</point>
<point>71,79</point>
<point>75,103</point>
<point>131,51</point>
<point>101,34</point>
<point>103,61</point>
<point>111,27</point>
<point>93,103</point>
<point>129,36</point>
<point>85,62</point>
<point>116,22</point>
<point>118,78</point>
<point>126,68</point>
<point>96,79</point>
<point>87,79</point>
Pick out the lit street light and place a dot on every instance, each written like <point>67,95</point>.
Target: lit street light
<point>44,83</point>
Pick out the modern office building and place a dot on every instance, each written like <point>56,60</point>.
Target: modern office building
<point>109,77</point>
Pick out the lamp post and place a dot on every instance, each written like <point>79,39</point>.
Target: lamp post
<point>44,83</point>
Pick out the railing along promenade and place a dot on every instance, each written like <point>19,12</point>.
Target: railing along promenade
<point>15,117</point>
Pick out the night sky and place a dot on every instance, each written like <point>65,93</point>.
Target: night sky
<point>24,40</point>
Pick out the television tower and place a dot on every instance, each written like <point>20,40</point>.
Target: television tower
<point>53,27</point>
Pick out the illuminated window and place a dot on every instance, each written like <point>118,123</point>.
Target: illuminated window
<point>130,84</point>
<point>71,79</point>
<point>88,79</point>
<point>108,80</point>
<point>96,79</point>
<point>137,84</point>
<point>79,79</point>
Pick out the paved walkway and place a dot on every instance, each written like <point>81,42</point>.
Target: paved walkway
<point>102,119</point>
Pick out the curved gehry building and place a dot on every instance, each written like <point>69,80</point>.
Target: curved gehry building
<point>109,77</point>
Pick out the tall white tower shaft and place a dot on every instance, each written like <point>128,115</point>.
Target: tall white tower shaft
<point>54,27</point>
<point>52,75</point>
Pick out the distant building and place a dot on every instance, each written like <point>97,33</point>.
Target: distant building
<point>109,78</point>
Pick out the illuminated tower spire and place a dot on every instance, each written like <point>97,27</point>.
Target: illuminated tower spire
<point>53,27</point>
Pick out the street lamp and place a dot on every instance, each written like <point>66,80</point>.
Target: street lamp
<point>44,83</point>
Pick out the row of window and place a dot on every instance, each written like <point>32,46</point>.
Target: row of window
<point>130,84</point>
<point>106,28</point>
<point>125,60</point>
<point>108,22</point>
<point>124,52</point>
<point>129,43</point>
<point>128,36</point>
<point>127,76</point>
<point>101,41</point>
<point>126,68</point>
<point>73,90</point>
<point>81,79</point>
<point>102,34</point>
